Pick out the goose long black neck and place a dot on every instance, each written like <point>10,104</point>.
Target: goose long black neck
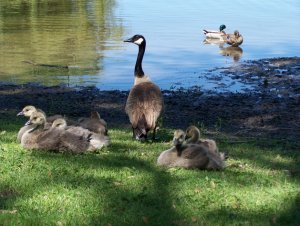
<point>138,70</point>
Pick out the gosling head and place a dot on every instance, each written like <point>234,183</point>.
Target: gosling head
<point>95,115</point>
<point>36,118</point>
<point>191,130</point>
<point>179,137</point>
<point>137,39</point>
<point>59,123</point>
<point>27,111</point>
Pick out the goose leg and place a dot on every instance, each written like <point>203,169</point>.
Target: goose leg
<point>154,133</point>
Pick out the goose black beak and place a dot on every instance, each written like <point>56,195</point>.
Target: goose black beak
<point>20,113</point>
<point>128,40</point>
<point>28,123</point>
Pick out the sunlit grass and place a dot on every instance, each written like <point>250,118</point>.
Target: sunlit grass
<point>121,185</point>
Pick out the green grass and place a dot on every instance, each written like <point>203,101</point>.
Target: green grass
<point>121,185</point>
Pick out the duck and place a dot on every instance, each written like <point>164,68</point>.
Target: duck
<point>96,141</point>
<point>144,104</point>
<point>189,156</point>
<point>213,34</point>
<point>94,123</point>
<point>52,139</point>
<point>235,39</point>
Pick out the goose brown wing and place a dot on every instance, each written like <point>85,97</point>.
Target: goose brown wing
<point>144,99</point>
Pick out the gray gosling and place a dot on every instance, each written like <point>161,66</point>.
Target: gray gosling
<point>27,112</point>
<point>96,141</point>
<point>145,102</point>
<point>52,139</point>
<point>36,136</point>
<point>94,123</point>
<point>193,135</point>
<point>189,156</point>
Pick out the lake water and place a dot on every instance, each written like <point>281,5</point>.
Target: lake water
<point>88,36</point>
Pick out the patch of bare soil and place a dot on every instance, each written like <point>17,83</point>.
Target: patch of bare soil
<point>271,109</point>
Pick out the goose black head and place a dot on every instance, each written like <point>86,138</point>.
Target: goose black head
<point>136,39</point>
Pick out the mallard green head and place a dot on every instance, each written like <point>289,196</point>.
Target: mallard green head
<point>222,27</point>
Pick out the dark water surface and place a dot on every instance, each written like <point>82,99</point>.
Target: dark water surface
<point>87,36</point>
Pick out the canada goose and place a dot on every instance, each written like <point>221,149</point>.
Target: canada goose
<point>145,102</point>
<point>51,139</point>
<point>189,155</point>
<point>95,123</point>
<point>194,138</point>
<point>96,141</point>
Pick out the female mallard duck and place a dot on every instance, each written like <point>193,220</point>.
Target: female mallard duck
<point>189,155</point>
<point>145,102</point>
<point>234,39</point>
<point>216,34</point>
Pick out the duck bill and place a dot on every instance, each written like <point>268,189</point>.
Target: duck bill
<point>20,113</point>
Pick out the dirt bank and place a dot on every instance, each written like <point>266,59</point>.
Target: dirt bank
<point>270,109</point>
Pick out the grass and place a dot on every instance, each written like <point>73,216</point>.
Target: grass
<point>121,185</point>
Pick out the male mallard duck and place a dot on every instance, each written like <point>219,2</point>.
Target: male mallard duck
<point>216,34</point>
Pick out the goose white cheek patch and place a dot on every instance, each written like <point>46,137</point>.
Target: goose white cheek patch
<point>139,41</point>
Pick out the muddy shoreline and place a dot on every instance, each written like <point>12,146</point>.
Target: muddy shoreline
<point>270,109</point>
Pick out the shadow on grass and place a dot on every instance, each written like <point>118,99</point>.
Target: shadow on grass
<point>124,202</point>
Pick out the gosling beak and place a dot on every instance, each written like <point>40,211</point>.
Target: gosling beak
<point>28,123</point>
<point>20,113</point>
<point>175,141</point>
<point>129,40</point>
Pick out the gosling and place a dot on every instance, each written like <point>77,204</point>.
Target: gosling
<point>51,139</point>
<point>95,123</point>
<point>97,141</point>
<point>189,156</point>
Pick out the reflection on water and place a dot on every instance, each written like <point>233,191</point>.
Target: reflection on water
<point>55,32</point>
<point>86,36</point>
<point>234,52</point>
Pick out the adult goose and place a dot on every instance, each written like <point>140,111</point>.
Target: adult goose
<point>145,102</point>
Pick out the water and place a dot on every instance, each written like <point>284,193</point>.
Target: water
<point>88,35</point>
